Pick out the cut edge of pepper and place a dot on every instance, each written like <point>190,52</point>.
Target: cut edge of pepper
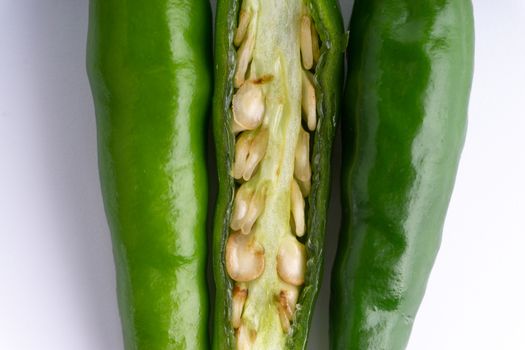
<point>323,134</point>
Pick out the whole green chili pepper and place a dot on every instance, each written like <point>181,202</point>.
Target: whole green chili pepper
<point>276,62</point>
<point>149,65</point>
<point>410,71</point>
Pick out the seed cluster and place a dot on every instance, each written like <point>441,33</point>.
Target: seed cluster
<point>245,257</point>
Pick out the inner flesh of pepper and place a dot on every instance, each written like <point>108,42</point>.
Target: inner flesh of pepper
<point>273,113</point>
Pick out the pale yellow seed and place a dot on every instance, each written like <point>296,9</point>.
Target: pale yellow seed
<point>308,100</point>
<point>305,187</point>
<point>242,150</point>
<point>254,211</point>
<point>286,301</point>
<point>240,293</point>
<point>291,261</point>
<point>244,21</point>
<point>244,57</point>
<point>248,107</point>
<point>302,170</point>
<point>244,257</point>
<point>245,337</point>
<point>285,321</point>
<point>297,206</point>
<point>256,153</point>
<point>306,43</point>
<point>240,206</point>
<point>236,127</point>
<point>315,45</point>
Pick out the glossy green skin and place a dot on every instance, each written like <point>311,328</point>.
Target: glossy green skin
<point>410,71</point>
<point>150,73</point>
<point>329,72</point>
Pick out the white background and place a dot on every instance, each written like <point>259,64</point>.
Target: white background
<point>56,267</point>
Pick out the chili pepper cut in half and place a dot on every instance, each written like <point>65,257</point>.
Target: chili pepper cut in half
<point>149,64</point>
<point>409,78</point>
<point>278,69</point>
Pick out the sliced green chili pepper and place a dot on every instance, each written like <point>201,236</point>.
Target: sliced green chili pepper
<point>410,71</point>
<point>278,77</point>
<point>149,65</point>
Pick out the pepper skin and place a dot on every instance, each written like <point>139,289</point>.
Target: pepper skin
<point>410,72</point>
<point>328,77</point>
<point>150,73</point>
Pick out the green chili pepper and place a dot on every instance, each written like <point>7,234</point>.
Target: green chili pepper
<point>410,71</point>
<point>278,76</point>
<point>149,65</point>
